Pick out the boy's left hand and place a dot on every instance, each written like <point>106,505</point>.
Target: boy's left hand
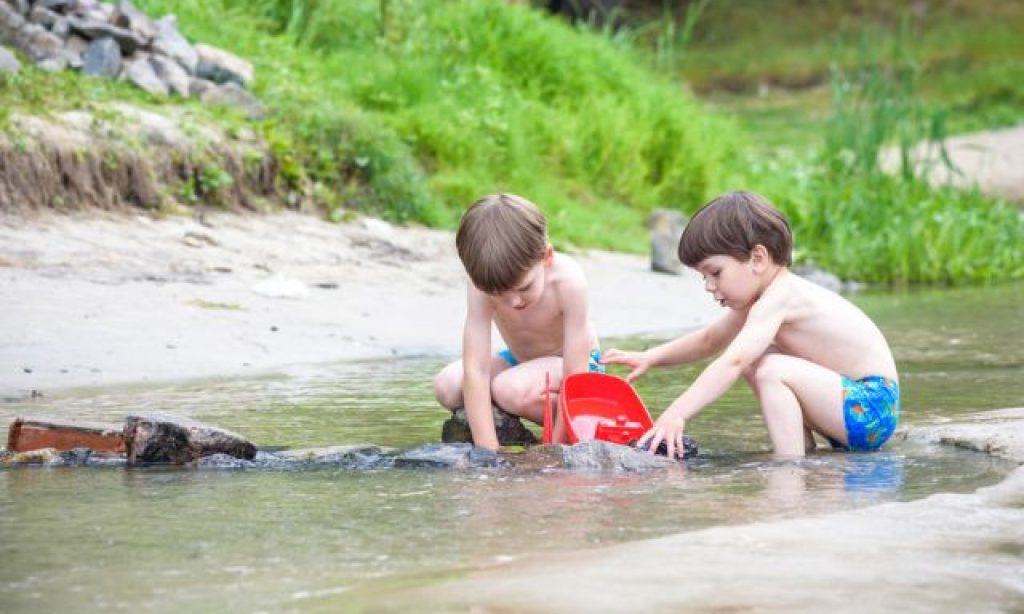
<point>668,428</point>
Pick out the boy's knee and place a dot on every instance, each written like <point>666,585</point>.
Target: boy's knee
<point>510,395</point>
<point>767,370</point>
<point>447,389</point>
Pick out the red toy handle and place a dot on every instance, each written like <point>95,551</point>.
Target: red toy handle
<point>549,425</point>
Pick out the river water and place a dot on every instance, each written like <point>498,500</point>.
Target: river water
<point>167,539</point>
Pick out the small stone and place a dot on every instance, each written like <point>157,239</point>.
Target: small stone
<point>102,58</point>
<point>508,428</point>
<point>666,227</point>
<point>233,95</point>
<point>221,66</point>
<point>8,62</point>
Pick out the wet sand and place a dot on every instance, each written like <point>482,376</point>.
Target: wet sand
<point>946,552</point>
<point>95,300</point>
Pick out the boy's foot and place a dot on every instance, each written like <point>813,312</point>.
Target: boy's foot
<point>509,428</point>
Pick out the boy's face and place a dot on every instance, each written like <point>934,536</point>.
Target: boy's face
<point>529,288</point>
<point>734,283</point>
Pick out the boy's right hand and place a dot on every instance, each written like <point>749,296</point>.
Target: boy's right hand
<point>639,362</point>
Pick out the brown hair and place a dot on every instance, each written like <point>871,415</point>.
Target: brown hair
<point>500,238</point>
<point>733,224</point>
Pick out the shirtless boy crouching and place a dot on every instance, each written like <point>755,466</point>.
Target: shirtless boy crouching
<point>536,297</point>
<point>815,361</point>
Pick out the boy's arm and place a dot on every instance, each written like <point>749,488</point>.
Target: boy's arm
<point>476,366</point>
<point>576,327</point>
<point>694,346</point>
<point>754,338</point>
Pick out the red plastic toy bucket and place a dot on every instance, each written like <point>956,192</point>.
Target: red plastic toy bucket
<point>598,406</point>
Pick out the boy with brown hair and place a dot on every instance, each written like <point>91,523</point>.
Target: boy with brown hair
<point>815,361</point>
<point>537,299</point>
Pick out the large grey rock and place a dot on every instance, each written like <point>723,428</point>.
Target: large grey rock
<point>61,28</point>
<point>141,73</point>
<point>11,20</point>
<point>509,428</point>
<point>165,438</point>
<point>8,62</point>
<point>43,16</point>
<point>235,96</point>
<point>55,5</point>
<point>172,74</point>
<point>448,456</point>
<point>666,227</point>
<point>605,456</point>
<point>22,7</point>
<point>171,43</point>
<point>221,66</point>
<point>38,44</point>
<point>197,87</point>
<point>102,58</point>
<point>128,41</point>
<point>130,18</point>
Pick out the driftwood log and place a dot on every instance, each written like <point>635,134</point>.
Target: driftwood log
<point>164,438</point>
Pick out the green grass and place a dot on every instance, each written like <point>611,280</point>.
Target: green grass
<point>412,110</point>
<point>763,60</point>
<point>852,218</point>
<point>422,110</point>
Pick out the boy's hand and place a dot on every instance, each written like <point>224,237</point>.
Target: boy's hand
<point>639,362</point>
<point>668,428</point>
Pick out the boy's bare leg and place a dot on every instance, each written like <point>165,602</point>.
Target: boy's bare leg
<point>520,390</point>
<point>794,392</point>
<point>448,383</point>
<point>809,443</point>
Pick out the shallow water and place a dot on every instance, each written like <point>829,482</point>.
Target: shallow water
<point>90,538</point>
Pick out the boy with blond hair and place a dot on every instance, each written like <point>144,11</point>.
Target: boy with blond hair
<point>815,361</point>
<point>537,299</point>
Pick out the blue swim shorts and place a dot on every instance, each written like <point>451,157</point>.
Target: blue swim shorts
<point>593,365</point>
<point>871,410</point>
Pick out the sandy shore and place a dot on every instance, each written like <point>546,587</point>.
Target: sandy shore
<point>101,299</point>
<point>946,552</point>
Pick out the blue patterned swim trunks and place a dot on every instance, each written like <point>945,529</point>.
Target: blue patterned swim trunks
<point>871,410</point>
<point>593,365</point>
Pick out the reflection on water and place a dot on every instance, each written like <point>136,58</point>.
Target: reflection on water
<point>169,538</point>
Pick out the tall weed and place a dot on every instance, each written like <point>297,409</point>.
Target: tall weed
<point>891,225</point>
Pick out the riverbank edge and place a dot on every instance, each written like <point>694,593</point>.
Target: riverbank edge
<point>927,550</point>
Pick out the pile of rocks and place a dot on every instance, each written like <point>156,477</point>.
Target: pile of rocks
<point>118,41</point>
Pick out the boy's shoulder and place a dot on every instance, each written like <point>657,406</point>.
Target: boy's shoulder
<point>567,271</point>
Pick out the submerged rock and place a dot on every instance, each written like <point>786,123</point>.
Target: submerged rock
<point>689,448</point>
<point>164,438</point>
<point>357,456</point>
<point>449,456</point>
<point>223,461</point>
<point>605,456</point>
<point>509,428</point>
<point>43,456</point>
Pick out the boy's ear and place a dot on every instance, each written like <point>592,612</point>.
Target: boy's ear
<point>549,255</point>
<point>759,257</point>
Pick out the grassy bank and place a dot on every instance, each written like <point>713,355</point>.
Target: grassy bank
<point>412,110</point>
<point>425,106</point>
<point>768,62</point>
